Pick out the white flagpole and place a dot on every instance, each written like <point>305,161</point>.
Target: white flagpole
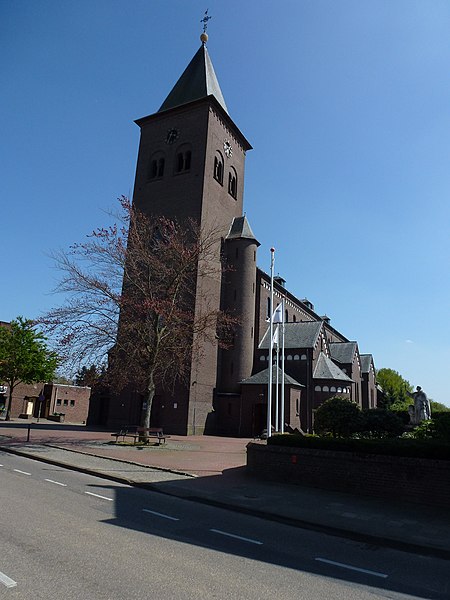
<point>282,369</point>
<point>269,391</point>
<point>277,401</point>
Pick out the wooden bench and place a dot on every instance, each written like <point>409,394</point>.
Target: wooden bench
<point>122,433</point>
<point>138,433</point>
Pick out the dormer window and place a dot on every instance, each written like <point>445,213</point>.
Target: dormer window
<point>232,183</point>
<point>218,168</point>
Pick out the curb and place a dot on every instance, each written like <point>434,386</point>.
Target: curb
<point>127,462</point>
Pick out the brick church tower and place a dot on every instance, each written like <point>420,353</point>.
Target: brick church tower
<point>191,165</point>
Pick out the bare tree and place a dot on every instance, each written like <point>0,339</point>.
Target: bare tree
<point>131,292</point>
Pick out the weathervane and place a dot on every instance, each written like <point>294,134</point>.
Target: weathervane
<point>205,20</point>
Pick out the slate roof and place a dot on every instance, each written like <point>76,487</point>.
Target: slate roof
<point>343,352</point>
<point>262,378</point>
<point>197,81</point>
<point>327,369</point>
<point>366,361</point>
<point>240,229</point>
<point>296,335</point>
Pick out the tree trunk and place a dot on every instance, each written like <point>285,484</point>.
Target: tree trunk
<point>8,410</point>
<point>148,402</point>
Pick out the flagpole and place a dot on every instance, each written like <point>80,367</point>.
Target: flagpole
<point>277,418</point>
<point>282,369</point>
<point>269,391</point>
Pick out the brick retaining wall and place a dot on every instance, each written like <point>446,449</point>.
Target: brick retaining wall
<point>412,479</point>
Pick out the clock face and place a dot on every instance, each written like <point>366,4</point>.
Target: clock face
<point>172,136</point>
<point>227,148</point>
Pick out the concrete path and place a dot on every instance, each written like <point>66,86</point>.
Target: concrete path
<point>212,470</point>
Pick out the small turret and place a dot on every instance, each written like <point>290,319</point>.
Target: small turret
<point>238,286</point>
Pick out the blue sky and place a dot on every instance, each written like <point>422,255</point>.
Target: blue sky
<point>346,104</point>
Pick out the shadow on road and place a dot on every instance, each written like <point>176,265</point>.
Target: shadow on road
<point>164,512</point>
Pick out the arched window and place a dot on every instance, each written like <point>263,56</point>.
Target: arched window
<point>339,390</point>
<point>232,182</point>
<point>296,357</point>
<point>332,389</point>
<point>304,357</point>
<point>317,388</point>
<point>262,358</point>
<point>183,159</point>
<point>289,357</point>
<point>218,167</point>
<point>294,318</point>
<point>325,388</point>
<point>156,167</point>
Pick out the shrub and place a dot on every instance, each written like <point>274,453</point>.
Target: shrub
<point>437,428</point>
<point>442,424</point>
<point>415,448</point>
<point>337,416</point>
<point>401,414</point>
<point>381,423</point>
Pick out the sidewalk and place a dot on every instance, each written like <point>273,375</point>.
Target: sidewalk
<point>212,470</point>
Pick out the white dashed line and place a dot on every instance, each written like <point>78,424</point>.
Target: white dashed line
<point>23,472</point>
<point>56,482</point>
<point>344,566</point>
<point>98,496</point>
<point>237,537</point>
<point>160,514</point>
<point>7,580</point>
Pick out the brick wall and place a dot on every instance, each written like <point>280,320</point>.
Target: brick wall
<point>411,479</point>
<point>71,400</point>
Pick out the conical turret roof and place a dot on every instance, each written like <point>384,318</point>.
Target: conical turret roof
<point>240,228</point>
<point>197,81</point>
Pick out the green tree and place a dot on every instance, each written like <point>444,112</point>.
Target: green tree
<point>90,376</point>
<point>395,389</point>
<point>24,357</point>
<point>438,407</point>
<point>338,416</point>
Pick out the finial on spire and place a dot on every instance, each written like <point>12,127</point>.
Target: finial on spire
<point>204,35</point>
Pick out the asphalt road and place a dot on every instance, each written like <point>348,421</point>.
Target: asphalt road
<point>67,535</point>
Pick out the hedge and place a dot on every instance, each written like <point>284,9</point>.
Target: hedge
<point>431,449</point>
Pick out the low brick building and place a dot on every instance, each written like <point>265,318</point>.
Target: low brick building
<point>46,399</point>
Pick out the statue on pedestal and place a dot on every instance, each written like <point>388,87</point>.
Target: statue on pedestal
<point>422,409</point>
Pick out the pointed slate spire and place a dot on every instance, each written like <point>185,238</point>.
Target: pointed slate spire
<point>198,81</point>
<point>240,228</point>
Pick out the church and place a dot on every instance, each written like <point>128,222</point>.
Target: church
<point>191,164</point>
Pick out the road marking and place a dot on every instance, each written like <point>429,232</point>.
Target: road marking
<point>7,580</point>
<point>153,512</point>
<point>344,566</point>
<point>98,496</point>
<point>23,472</point>
<point>237,537</point>
<point>56,482</point>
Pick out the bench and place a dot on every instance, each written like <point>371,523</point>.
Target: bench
<point>151,432</point>
<point>137,433</point>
